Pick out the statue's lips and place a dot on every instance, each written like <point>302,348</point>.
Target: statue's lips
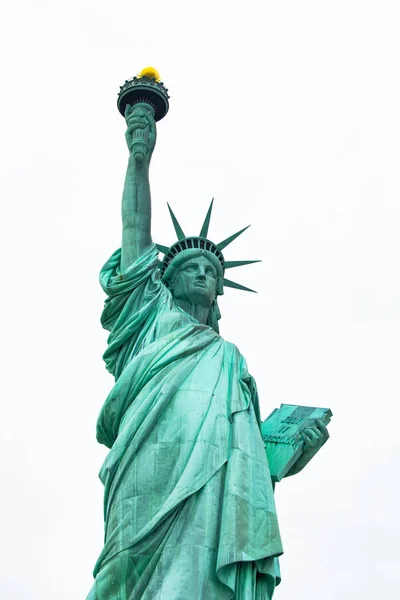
<point>200,284</point>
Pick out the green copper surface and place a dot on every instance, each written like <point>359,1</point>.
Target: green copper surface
<point>189,509</point>
<point>204,229</point>
<point>237,286</point>
<point>178,228</point>
<point>230,239</point>
<point>229,264</point>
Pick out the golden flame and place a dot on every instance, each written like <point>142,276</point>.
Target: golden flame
<point>151,73</point>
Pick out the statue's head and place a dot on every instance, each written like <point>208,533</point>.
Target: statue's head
<point>194,268</point>
<point>195,276</point>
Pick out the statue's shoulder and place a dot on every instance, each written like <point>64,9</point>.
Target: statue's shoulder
<point>170,319</point>
<point>232,352</point>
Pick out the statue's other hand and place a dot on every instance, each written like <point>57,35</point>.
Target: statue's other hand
<point>314,438</point>
<point>141,121</point>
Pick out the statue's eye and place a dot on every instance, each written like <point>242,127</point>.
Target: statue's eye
<point>190,268</point>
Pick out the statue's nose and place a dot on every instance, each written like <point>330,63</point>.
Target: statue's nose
<point>201,274</point>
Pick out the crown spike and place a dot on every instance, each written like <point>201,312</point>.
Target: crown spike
<point>177,227</point>
<point>204,229</point>
<point>230,239</point>
<point>229,264</point>
<point>236,286</point>
<point>163,249</point>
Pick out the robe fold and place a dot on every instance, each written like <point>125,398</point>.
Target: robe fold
<point>188,505</point>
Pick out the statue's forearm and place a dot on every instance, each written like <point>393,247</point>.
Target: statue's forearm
<point>136,213</point>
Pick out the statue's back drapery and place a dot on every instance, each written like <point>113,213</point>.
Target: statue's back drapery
<point>189,506</point>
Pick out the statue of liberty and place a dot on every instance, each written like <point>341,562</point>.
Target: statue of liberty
<point>189,506</point>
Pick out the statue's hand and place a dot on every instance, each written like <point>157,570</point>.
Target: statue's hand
<point>141,127</point>
<point>314,438</point>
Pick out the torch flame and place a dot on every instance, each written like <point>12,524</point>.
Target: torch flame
<point>151,73</point>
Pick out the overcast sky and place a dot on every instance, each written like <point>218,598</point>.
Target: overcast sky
<point>288,112</point>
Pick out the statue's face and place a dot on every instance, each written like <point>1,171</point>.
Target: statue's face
<point>195,282</point>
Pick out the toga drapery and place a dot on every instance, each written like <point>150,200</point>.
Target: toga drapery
<point>189,508</point>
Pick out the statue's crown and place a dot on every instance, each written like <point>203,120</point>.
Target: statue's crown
<point>201,242</point>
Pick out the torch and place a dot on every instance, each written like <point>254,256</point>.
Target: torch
<point>145,93</point>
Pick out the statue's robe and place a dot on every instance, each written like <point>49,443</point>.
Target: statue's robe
<point>189,506</point>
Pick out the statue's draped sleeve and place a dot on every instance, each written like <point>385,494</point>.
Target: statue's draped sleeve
<point>135,297</point>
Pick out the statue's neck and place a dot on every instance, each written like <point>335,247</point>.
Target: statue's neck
<point>200,313</point>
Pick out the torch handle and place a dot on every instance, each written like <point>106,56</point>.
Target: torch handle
<point>140,138</point>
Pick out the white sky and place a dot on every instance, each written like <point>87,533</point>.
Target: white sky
<point>288,113</point>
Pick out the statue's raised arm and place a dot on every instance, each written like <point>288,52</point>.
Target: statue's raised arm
<point>136,199</point>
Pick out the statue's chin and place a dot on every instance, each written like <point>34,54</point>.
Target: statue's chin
<point>198,297</point>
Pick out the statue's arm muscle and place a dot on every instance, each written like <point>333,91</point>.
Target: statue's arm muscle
<point>136,199</point>
<point>136,212</point>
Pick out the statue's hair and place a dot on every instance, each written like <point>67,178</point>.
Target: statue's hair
<point>214,314</point>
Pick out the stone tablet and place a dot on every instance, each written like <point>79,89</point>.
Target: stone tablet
<point>281,435</point>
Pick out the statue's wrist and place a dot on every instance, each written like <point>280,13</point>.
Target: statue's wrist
<point>139,167</point>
